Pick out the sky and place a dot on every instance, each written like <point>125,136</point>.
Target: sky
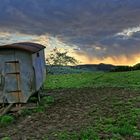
<point>93,31</point>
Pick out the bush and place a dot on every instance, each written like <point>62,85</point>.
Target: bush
<point>6,138</point>
<point>136,67</point>
<point>122,68</point>
<point>6,120</point>
<point>63,70</point>
<point>48,100</point>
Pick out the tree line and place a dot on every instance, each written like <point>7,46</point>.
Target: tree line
<point>61,58</point>
<point>126,68</point>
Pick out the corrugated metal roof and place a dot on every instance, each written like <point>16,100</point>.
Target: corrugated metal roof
<point>27,46</point>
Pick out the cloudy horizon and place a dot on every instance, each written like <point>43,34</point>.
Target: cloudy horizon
<point>98,31</point>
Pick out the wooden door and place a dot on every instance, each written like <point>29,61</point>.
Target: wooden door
<point>12,84</point>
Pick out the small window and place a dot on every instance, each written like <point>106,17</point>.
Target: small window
<point>37,54</point>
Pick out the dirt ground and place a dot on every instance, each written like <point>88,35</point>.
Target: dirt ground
<point>70,112</point>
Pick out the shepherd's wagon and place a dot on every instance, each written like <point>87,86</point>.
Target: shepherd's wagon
<point>22,71</point>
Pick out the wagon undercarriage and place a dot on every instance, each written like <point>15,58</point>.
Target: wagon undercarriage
<point>22,73</point>
<point>17,107</point>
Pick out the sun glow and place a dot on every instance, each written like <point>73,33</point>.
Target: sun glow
<point>83,58</point>
<point>75,51</point>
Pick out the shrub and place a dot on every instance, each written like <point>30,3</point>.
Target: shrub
<point>6,138</point>
<point>48,100</point>
<point>6,120</point>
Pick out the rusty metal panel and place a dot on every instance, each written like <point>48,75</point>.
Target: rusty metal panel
<point>39,68</point>
<point>21,75</point>
<point>26,75</point>
<point>11,66</point>
<point>14,96</point>
<point>15,69</point>
<point>12,80</point>
<point>4,56</point>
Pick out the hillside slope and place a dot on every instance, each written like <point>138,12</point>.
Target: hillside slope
<point>129,80</point>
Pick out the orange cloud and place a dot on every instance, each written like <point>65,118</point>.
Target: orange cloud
<point>83,57</point>
<point>120,60</point>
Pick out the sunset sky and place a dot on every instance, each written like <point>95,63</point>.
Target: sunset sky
<point>93,31</point>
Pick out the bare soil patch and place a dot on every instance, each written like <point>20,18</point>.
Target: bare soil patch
<point>73,110</point>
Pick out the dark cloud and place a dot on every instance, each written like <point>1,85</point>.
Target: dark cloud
<point>92,25</point>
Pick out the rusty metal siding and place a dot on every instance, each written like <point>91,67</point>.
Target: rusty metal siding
<point>21,74</point>
<point>38,60</point>
<point>12,79</point>
<point>18,77</point>
<point>4,56</point>
<point>26,75</point>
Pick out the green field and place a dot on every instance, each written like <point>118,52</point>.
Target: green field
<point>86,106</point>
<point>128,80</point>
<point>115,112</point>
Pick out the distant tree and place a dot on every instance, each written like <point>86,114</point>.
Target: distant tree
<point>126,68</point>
<point>122,68</point>
<point>59,58</point>
<point>136,67</point>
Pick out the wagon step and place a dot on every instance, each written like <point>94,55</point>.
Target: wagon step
<point>7,109</point>
<point>17,108</point>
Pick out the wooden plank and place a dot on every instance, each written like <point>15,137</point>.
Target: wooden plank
<point>7,109</point>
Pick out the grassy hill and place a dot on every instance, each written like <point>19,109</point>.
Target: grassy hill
<point>129,80</point>
<point>90,68</point>
<point>79,68</point>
